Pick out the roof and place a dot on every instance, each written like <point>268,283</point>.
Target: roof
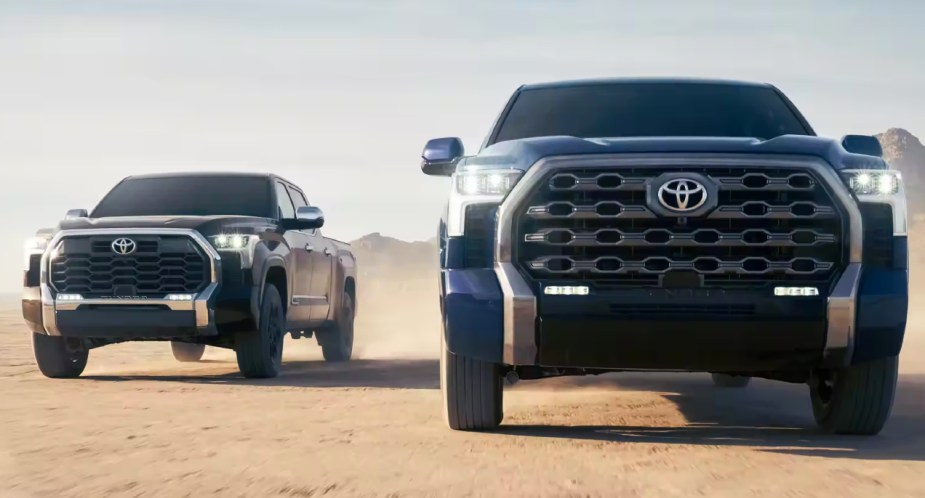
<point>204,174</point>
<point>216,174</point>
<point>647,81</point>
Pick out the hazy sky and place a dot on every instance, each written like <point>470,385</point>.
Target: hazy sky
<point>340,96</point>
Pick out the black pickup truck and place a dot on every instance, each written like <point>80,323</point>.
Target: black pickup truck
<point>227,260</point>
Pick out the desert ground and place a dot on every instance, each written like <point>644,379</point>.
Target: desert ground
<point>140,424</point>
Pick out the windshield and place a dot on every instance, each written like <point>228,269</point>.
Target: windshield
<point>650,110</point>
<point>188,196</point>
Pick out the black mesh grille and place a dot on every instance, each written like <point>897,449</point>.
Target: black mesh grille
<point>770,225</point>
<point>878,234</point>
<point>160,265</point>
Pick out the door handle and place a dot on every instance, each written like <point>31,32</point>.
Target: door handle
<point>309,247</point>
<point>327,252</point>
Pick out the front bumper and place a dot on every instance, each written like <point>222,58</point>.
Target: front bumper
<point>501,319</point>
<point>128,318</point>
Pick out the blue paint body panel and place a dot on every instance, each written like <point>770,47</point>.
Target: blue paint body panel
<point>882,306</point>
<point>473,316</point>
<point>521,154</point>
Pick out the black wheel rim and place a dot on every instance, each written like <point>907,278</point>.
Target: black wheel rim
<point>347,330</point>
<point>824,387</point>
<point>275,335</point>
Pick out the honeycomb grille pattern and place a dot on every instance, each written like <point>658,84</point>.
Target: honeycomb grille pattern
<point>160,265</point>
<point>770,225</point>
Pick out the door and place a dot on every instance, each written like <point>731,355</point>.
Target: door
<point>300,264</point>
<point>321,254</point>
<point>322,267</point>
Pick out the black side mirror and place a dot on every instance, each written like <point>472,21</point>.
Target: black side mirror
<point>441,155</point>
<point>73,214</point>
<point>306,218</point>
<point>862,144</point>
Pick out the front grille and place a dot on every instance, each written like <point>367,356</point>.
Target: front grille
<point>160,265</point>
<point>630,311</point>
<point>595,225</point>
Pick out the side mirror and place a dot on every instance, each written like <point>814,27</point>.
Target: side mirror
<point>73,214</point>
<point>862,144</point>
<point>306,218</point>
<point>441,155</point>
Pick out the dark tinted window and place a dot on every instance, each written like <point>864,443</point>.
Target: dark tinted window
<point>188,196</point>
<point>286,210</point>
<point>650,110</point>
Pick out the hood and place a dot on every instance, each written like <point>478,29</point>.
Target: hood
<point>521,154</point>
<point>207,225</point>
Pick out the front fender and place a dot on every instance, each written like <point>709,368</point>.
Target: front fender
<point>264,261</point>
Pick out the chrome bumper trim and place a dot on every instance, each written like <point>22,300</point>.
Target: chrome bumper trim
<point>205,322</point>
<point>520,303</point>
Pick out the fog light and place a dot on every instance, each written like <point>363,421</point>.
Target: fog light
<point>69,297</point>
<point>180,297</point>
<point>566,290</point>
<point>796,291</point>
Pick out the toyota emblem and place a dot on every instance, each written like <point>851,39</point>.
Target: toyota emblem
<point>682,195</point>
<point>124,246</point>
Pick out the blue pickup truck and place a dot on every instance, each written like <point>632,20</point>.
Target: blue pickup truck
<point>670,225</point>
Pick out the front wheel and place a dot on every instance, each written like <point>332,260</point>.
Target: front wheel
<point>856,399</point>
<point>735,381</point>
<point>260,352</point>
<point>337,342</point>
<point>56,358</point>
<point>186,352</point>
<point>472,392</point>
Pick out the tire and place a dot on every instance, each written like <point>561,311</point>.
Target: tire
<point>856,399</point>
<point>56,359</point>
<point>186,352</point>
<point>260,352</point>
<point>337,342</point>
<point>725,380</point>
<point>472,392</point>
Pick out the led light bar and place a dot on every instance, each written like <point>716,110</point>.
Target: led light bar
<point>180,297</point>
<point>566,290</point>
<point>69,297</point>
<point>796,291</point>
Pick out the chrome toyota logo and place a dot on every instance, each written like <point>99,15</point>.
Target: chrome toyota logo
<point>123,246</point>
<point>682,195</point>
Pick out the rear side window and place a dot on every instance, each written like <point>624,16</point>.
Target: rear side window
<point>286,210</point>
<point>650,110</point>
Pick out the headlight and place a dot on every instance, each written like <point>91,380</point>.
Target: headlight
<point>486,183</point>
<point>873,182</point>
<point>233,242</point>
<point>880,187</point>
<point>477,187</point>
<point>35,245</point>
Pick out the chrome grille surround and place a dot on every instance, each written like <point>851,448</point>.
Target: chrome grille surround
<point>204,319</point>
<point>520,311</point>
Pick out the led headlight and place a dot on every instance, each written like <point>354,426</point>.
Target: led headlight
<point>232,242</point>
<point>487,186</point>
<point>873,182</point>
<point>35,245</point>
<point>487,182</point>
